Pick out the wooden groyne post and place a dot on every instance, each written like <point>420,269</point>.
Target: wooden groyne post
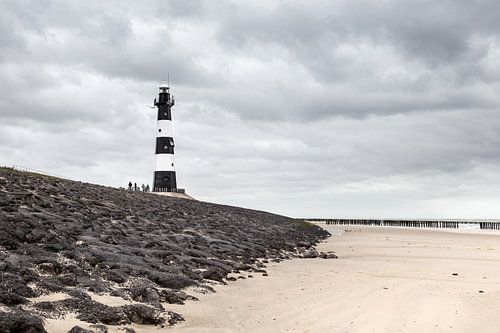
<point>478,224</point>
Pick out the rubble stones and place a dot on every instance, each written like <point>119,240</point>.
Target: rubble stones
<point>304,244</point>
<point>331,256</point>
<point>63,236</point>
<point>78,329</point>
<point>128,330</point>
<point>311,253</point>
<point>175,297</point>
<point>10,299</point>
<point>146,295</point>
<point>17,320</point>
<point>99,328</point>
<point>47,268</point>
<point>174,318</point>
<point>141,314</point>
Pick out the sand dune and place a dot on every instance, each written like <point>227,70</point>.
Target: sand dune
<point>386,280</point>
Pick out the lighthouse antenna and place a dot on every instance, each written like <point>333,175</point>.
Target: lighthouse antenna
<point>168,79</point>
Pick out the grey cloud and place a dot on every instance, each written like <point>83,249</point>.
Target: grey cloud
<point>445,42</point>
<point>349,107</point>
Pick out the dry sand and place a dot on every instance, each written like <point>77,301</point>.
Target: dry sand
<point>385,280</point>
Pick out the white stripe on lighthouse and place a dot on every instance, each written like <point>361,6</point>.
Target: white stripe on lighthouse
<point>164,162</point>
<point>164,128</point>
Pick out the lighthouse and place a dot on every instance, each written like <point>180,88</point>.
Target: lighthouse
<point>164,175</point>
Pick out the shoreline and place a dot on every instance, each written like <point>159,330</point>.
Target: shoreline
<point>387,279</point>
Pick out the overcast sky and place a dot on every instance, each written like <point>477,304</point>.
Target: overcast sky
<point>304,108</point>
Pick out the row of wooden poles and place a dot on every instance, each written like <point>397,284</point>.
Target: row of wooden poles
<point>409,223</point>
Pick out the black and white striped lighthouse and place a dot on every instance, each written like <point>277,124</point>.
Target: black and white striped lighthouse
<point>164,176</point>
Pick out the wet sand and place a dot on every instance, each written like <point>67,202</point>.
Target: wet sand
<point>385,280</point>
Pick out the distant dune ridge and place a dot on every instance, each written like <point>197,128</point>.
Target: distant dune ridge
<point>78,240</point>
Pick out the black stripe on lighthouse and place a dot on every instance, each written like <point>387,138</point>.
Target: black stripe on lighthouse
<point>164,181</point>
<point>164,112</point>
<point>164,145</point>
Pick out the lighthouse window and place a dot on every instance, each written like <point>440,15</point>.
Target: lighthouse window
<point>165,147</point>
<point>159,130</point>
<point>164,113</point>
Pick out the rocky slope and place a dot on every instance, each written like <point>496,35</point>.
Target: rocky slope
<point>78,239</point>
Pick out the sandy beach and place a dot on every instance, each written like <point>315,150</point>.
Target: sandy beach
<point>385,280</point>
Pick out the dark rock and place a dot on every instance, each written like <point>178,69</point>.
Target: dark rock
<point>78,329</point>
<point>231,278</point>
<point>10,209</point>
<point>98,287</point>
<point>50,285</point>
<point>127,330</point>
<point>174,318</point>
<point>123,293</point>
<point>242,267</point>
<point>214,274</point>
<point>141,314</point>
<point>68,280</point>
<point>48,308</point>
<point>93,312</point>
<point>311,253</point>
<point>99,328</point>
<point>19,321</point>
<point>175,297</point>
<point>13,261</point>
<point>206,289</point>
<point>172,281</point>
<point>116,276</point>
<point>47,268</point>
<point>10,299</point>
<point>303,244</point>
<point>78,294</point>
<point>146,295</point>
<point>3,265</point>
